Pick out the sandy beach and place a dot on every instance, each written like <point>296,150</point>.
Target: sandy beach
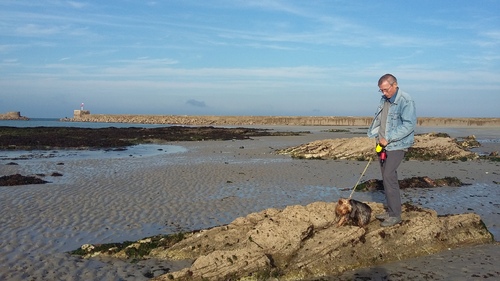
<point>194,185</point>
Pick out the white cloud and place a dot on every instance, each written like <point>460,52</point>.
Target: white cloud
<point>37,30</point>
<point>77,5</point>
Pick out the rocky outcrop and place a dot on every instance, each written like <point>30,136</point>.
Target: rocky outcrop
<point>18,179</point>
<point>45,138</point>
<point>14,115</point>
<point>427,147</point>
<point>85,116</point>
<point>414,182</point>
<point>224,120</point>
<point>301,242</point>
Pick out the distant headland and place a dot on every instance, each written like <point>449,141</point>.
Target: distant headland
<point>212,120</point>
<point>13,115</point>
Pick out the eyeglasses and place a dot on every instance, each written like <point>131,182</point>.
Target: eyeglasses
<point>385,90</point>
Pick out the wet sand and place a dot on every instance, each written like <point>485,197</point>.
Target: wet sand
<point>103,200</point>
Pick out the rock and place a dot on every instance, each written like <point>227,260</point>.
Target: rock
<point>117,139</point>
<point>426,147</point>
<point>414,182</point>
<point>301,242</point>
<point>19,179</point>
<point>13,115</point>
<point>468,142</point>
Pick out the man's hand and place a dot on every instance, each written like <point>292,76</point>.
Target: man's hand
<point>383,142</point>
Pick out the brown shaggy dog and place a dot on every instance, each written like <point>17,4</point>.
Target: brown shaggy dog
<point>354,211</point>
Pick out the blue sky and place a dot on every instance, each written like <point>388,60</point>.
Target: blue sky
<point>232,57</point>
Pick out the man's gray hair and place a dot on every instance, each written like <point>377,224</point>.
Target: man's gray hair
<point>389,78</point>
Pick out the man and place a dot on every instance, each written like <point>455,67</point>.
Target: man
<point>393,127</point>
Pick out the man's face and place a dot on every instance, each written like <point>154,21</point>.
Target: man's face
<point>387,89</point>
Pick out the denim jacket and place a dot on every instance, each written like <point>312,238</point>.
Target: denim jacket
<point>401,122</point>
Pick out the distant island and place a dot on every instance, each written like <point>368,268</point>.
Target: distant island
<point>13,115</point>
<point>212,120</point>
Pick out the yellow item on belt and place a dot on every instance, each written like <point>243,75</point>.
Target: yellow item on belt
<point>379,148</point>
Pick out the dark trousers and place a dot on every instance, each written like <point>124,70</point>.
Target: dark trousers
<point>391,184</point>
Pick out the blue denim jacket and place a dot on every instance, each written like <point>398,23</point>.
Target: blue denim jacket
<point>401,122</point>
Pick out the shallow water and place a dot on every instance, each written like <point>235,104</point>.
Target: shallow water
<point>140,150</point>
<point>482,199</point>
